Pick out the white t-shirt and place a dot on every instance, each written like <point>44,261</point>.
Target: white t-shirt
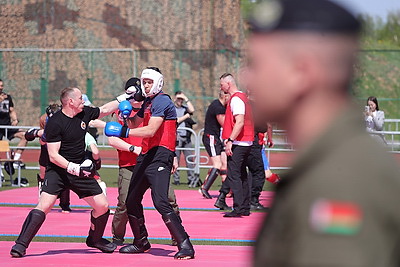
<point>238,107</point>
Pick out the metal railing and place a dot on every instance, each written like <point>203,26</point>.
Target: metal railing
<point>392,125</point>
<point>200,160</point>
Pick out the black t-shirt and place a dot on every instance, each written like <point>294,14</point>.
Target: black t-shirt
<point>5,106</point>
<point>211,124</point>
<point>71,132</point>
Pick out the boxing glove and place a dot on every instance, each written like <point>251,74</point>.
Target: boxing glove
<point>115,129</point>
<point>138,96</point>
<point>133,91</point>
<point>97,163</point>
<point>128,95</point>
<point>31,134</point>
<point>125,109</point>
<point>85,169</point>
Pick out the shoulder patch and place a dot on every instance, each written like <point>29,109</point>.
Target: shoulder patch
<point>335,217</point>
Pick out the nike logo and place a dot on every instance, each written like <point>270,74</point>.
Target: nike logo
<point>160,169</point>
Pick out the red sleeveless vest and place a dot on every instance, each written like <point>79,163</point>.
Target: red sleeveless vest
<point>247,133</point>
<point>165,135</point>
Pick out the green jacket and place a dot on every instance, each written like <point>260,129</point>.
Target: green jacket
<point>338,206</point>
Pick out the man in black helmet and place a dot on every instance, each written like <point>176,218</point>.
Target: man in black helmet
<point>335,207</point>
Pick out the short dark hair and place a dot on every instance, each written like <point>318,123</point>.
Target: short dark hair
<point>373,99</point>
<point>155,68</point>
<point>1,80</point>
<point>226,74</point>
<point>178,92</point>
<point>65,93</point>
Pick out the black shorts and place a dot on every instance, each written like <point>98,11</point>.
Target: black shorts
<point>213,145</point>
<point>44,156</point>
<point>10,133</point>
<point>57,179</point>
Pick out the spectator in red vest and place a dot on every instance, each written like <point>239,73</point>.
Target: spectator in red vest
<point>238,132</point>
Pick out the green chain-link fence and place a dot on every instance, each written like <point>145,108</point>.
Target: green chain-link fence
<point>34,77</point>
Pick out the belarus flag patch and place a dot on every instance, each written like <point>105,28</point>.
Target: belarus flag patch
<point>336,217</point>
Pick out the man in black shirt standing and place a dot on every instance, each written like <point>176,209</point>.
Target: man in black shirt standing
<point>65,135</point>
<point>214,120</point>
<point>8,116</point>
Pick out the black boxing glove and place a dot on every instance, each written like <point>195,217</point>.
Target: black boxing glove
<point>138,96</point>
<point>31,134</point>
<point>97,163</point>
<point>133,91</point>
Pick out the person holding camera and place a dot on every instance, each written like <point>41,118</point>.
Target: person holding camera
<point>374,118</point>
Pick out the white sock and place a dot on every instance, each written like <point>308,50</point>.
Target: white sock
<point>103,187</point>
<point>17,156</point>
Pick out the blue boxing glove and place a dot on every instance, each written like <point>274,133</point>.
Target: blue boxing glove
<point>125,109</point>
<point>113,128</point>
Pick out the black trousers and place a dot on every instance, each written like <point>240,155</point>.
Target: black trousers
<point>152,170</point>
<point>238,178</point>
<point>256,171</point>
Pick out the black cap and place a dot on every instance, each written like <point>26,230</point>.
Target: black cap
<point>303,15</point>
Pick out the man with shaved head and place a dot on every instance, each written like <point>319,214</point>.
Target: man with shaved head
<point>69,169</point>
<point>337,205</point>
<point>238,133</point>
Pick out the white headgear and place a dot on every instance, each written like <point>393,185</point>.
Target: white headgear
<point>158,81</point>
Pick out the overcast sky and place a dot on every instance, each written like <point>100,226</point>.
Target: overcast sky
<point>373,7</point>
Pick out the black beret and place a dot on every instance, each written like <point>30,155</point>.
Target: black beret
<point>303,15</point>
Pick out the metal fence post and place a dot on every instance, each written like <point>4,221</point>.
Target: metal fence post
<point>1,64</point>
<point>44,86</point>
<point>89,79</point>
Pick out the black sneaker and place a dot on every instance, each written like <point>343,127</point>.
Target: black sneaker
<point>222,205</point>
<point>233,214</point>
<point>103,245</point>
<point>257,207</point>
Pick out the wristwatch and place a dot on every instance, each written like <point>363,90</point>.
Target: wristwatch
<point>131,148</point>
<point>230,140</point>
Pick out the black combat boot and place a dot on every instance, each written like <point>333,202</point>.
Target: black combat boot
<point>255,205</point>
<point>220,203</point>
<point>140,242</point>
<point>212,175</point>
<point>174,225</point>
<point>95,238</point>
<point>29,229</point>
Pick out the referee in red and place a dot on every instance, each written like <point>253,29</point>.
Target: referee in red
<point>238,133</point>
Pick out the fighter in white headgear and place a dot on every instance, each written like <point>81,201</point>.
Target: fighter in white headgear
<point>155,75</point>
